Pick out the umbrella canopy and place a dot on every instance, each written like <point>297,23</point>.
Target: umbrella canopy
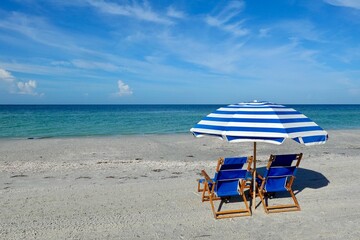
<point>260,122</point>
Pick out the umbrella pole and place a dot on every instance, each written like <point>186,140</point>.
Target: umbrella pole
<point>254,180</point>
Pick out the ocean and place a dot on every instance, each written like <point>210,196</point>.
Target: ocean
<point>46,121</point>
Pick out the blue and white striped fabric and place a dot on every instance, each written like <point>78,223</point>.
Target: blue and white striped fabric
<point>260,122</point>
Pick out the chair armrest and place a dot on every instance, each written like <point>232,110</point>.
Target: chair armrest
<point>219,163</point>
<point>260,177</point>
<point>206,176</point>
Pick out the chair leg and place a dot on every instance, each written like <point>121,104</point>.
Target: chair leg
<point>283,207</point>
<point>262,197</point>
<point>212,205</point>
<point>242,212</point>
<point>295,200</point>
<point>198,185</point>
<point>199,188</point>
<point>246,203</point>
<point>204,197</point>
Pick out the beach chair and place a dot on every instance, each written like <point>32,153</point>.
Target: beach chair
<point>279,177</point>
<point>229,163</point>
<point>228,183</point>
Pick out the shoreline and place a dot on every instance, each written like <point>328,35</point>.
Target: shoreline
<point>67,121</point>
<point>144,187</point>
<point>138,135</point>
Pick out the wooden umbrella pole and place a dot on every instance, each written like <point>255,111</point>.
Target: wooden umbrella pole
<point>254,180</point>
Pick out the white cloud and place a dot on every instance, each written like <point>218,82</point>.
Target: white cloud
<point>344,3</point>
<point>27,87</point>
<point>124,89</point>
<point>227,19</point>
<point>16,86</point>
<point>172,12</point>
<point>143,12</point>
<point>6,76</point>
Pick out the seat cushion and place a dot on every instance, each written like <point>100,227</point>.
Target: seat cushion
<point>227,188</point>
<point>276,184</point>
<point>281,171</point>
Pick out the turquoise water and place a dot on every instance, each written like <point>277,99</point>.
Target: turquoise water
<point>42,121</point>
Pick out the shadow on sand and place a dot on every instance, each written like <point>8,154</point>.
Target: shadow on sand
<point>306,178</point>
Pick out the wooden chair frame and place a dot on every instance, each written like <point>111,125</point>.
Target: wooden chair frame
<point>226,213</point>
<point>264,195</point>
<point>218,166</point>
<point>208,194</point>
<point>205,196</point>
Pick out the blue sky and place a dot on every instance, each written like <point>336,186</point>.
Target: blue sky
<point>185,51</point>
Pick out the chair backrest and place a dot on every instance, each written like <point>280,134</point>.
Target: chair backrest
<point>234,174</point>
<point>280,171</point>
<point>283,160</point>
<point>231,174</point>
<point>231,163</point>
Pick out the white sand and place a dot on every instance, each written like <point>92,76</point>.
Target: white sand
<point>144,187</point>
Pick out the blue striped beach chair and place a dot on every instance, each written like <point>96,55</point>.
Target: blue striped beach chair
<point>223,164</point>
<point>228,183</point>
<point>279,177</point>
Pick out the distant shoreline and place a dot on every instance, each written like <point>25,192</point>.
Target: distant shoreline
<point>124,136</point>
<point>49,121</point>
<point>169,104</point>
<point>96,136</point>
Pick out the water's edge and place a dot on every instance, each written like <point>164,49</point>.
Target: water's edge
<point>63,121</point>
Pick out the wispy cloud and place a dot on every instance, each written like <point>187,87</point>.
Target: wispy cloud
<point>264,32</point>
<point>298,29</point>
<point>228,19</point>
<point>350,55</point>
<point>123,89</point>
<point>345,3</point>
<point>42,31</point>
<point>140,11</point>
<point>159,46</point>
<point>172,12</point>
<point>18,87</point>
<point>34,28</point>
<point>85,64</point>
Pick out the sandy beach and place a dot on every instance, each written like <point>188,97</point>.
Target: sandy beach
<point>144,187</point>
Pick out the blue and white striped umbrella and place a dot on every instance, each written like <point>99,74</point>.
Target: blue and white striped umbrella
<point>260,122</point>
